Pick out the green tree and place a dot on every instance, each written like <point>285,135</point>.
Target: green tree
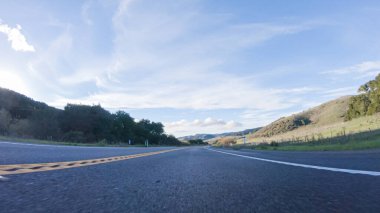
<point>123,127</point>
<point>93,121</point>
<point>368,102</point>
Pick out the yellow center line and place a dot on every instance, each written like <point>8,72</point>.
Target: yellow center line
<point>39,167</point>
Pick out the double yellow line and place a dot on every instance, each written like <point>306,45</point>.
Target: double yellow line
<point>40,167</point>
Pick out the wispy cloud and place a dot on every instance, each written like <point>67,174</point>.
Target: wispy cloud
<point>17,39</point>
<point>361,70</point>
<point>171,57</point>
<point>333,93</point>
<point>47,67</point>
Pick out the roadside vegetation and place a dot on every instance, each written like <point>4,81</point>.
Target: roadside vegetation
<point>358,141</point>
<point>22,117</point>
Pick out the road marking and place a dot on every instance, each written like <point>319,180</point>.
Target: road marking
<point>59,145</point>
<point>28,144</point>
<point>39,167</point>
<point>350,171</point>
<point>3,178</point>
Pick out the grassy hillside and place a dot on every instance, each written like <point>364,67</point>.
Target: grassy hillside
<point>315,132</point>
<point>325,114</point>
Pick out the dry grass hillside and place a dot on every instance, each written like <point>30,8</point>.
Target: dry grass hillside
<point>324,121</point>
<point>317,132</point>
<point>325,114</point>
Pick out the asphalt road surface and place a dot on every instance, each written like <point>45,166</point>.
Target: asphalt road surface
<point>195,179</point>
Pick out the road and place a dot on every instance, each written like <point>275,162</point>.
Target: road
<point>194,179</point>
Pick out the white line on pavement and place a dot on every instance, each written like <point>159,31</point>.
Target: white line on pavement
<point>28,144</point>
<point>351,171</point>
<point>3,178</point>
<point>58,145</point>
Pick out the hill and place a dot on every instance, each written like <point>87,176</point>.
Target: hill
<point>22,116</point>
<point>328,113</point>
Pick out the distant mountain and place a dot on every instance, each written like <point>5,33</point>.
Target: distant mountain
<point>212,136</point>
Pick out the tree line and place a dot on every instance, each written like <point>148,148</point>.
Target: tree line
<point>197,142</point>
<point>367,102</point>
<point>21,116</point>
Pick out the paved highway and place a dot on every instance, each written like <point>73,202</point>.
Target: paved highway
<point>188,180</point>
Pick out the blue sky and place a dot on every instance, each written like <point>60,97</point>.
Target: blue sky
<point>197,66</point>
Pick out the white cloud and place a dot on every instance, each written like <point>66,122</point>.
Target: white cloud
<point>228,92</point>
<point>262,117</point>
<point>232,124</point>
<point>361,70</point>
<point>47,67</point>
<point>339,92</point>
<point>296,90</point>
<point>12,81</point>
<point>207,125</point>
<point>17,39</point>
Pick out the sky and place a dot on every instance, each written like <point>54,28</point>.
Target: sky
<point>197,66</point>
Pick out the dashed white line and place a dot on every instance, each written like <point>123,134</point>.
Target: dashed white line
<point>350,171</point>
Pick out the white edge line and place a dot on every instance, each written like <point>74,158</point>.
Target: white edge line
<point>51,145</point>
<point>29,144</point>
<point>3,178</point>
<point>351,171</point>
<point>60,145</point>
